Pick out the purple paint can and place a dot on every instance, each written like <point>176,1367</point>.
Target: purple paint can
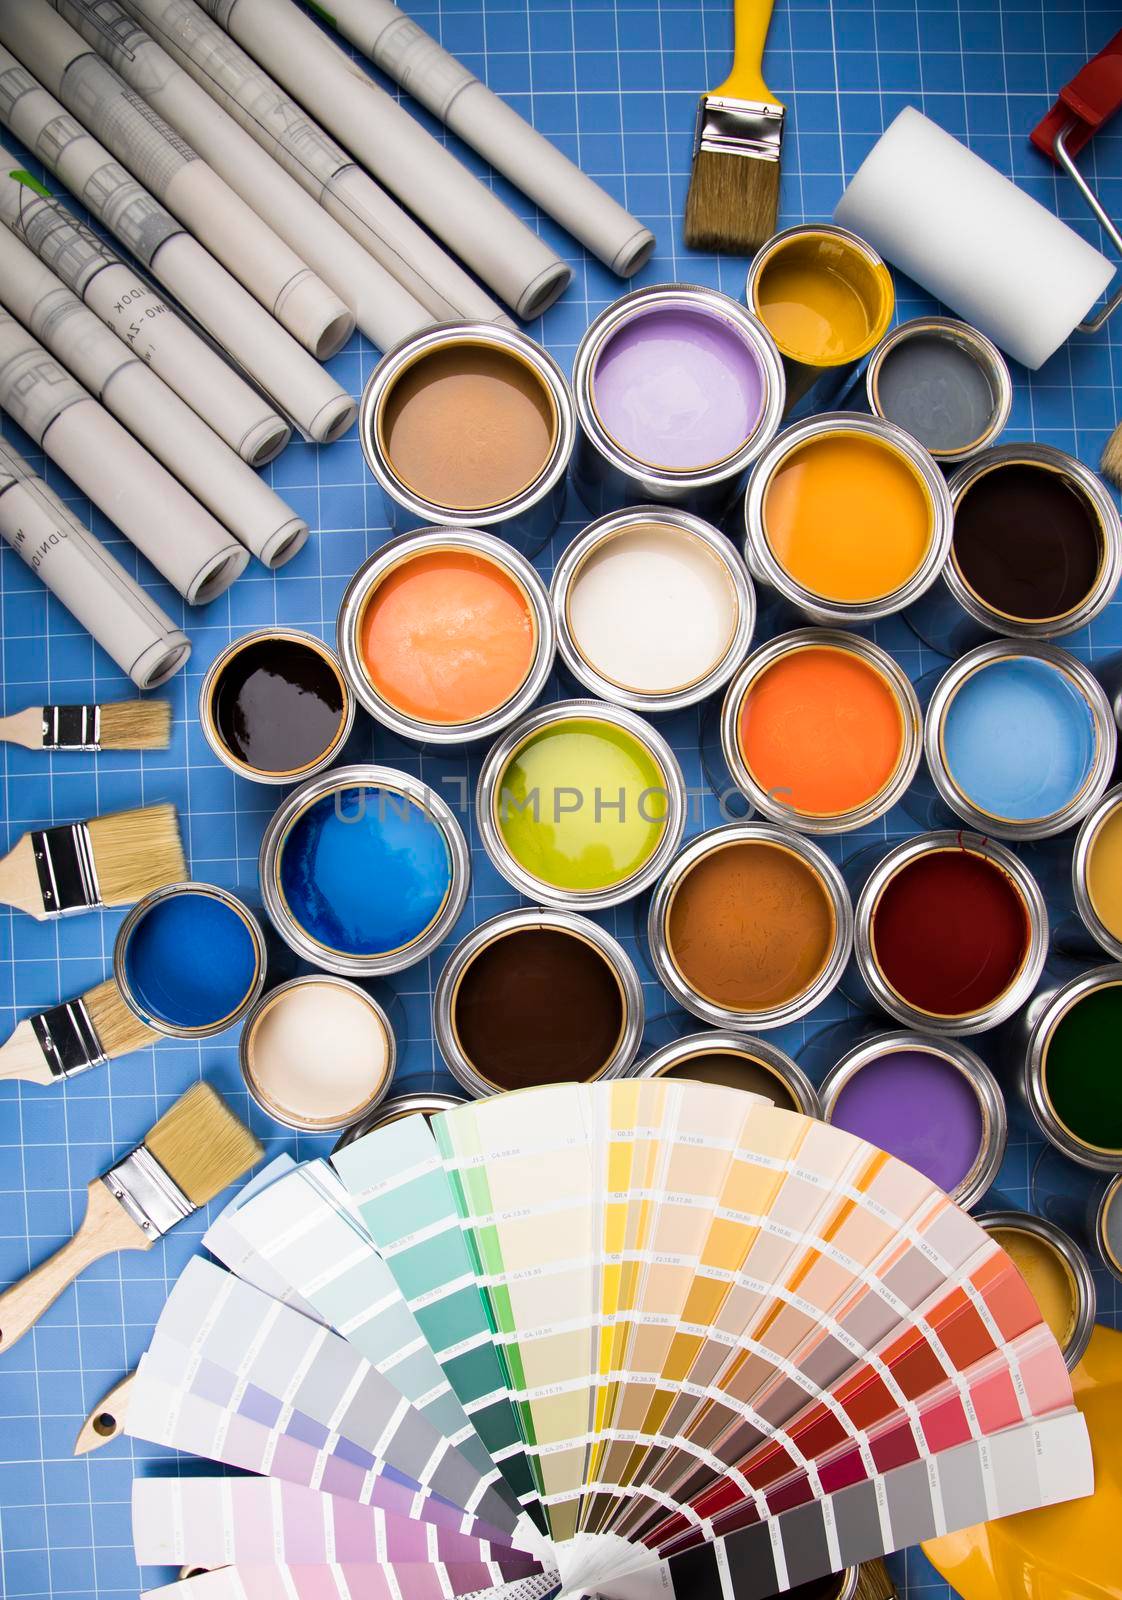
<point>932,1103</point>
<point>678,390</point>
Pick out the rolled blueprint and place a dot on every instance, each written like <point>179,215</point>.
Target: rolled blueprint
<point>170,430</point>
<point>131,309</point>
<point>320,166</point>
<point>180,538</point>
<point>383,308</point>
<point>287,373</point>
<point>172,170</point>
<point>426,70</point>
<point>426,177</point>
<point>92,584</point>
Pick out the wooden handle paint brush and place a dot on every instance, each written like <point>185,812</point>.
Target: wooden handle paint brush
<point>195,1150</point>
<point>733,199</point>
<point>107,1419</point>
<point>107,861</point>
<point>126,725</point>
<point>72,1037</point>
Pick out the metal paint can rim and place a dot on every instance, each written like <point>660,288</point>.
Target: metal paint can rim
<point>1045,1014</point>
<point>1107,803</point>
<point>1076,1262</point>
<point>495,928</point>
<point>608,527</point>
<point>991,1101</point>
<point>1018,992</point>
<point>264,1003</point>
<point>426,1104</point>
<point>764,566</point>
<point>813,856</point>
<point>661,1062</point>
<point>1106,740</point>
<point>363,776</point>
<point>988,357</point>
<point>394,364</point>
<point>659,296</point>
<point>210,683</point>
<point>1111,1197</point>
<point>125,932</point>
<point>490,778</point>
<point>767,803</point>
<point>396,552</point>
<point>829,230</point>
<point>1105,512</point>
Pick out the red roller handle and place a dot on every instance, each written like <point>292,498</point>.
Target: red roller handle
<point>1089,100</point>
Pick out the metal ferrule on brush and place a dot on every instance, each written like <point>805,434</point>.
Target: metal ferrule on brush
<point>64,860</point>
<point>68,1039</point>
<point>71,727</point>
<point>146,1192</point>
<point>738,127</point>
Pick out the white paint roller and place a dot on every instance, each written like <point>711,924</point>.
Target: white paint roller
<point>973,239</point>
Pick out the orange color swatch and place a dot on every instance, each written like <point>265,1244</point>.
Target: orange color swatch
<point>847,517</point>
<point>448,637</point>
<point>822,730</point>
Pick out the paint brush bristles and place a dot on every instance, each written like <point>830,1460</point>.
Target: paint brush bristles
<point>1110,464</point>
<point>119,1032</point>
<point>126,725</point>
<point>136,851</point>
<point>107,861</point>
<point>201,1145</point>
<point>96,1027</point>
<point>733,199</point>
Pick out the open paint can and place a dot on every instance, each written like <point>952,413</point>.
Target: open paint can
<point>427,1104</point>
<point>750,926</point>
<point>1096,872</point>
<point>654,608</point>
<point>1065,1051</point>
<point>951,932</point>
<point>534,997</point>
<point>275,706</point>
<point>1020,739</point>
<point>446,635</point>
<point>826,298</point>
<point>928,1101</point>
<point>821,730</point>
<point>881,496</point>
<point>1056,1271</point>
<point>469,425</point>
<point>364,870</point>
<point>581,805</point>
<point>677,390</point>
<point>944,383</point>
<point>1085,1203</point>
<point>1036,551</point>
<point>189,960</point>
<point>317,1053</point>
<point>735,1061</point>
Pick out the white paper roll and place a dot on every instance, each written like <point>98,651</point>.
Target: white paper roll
<point>92,584</point>
<point>151,412</point>
<point>426,177</point>
<point>973,239</point>
<point>294,380</point>
<point>512,146</point>
<point>384,310</point>
<point>140,318</point>
<point>179,537</point>
<point>313,159</point>
<point>173,171</point>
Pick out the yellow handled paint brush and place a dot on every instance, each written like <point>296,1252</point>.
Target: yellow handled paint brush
<point>195,1150</point>
<point>733,201</point>
<point>107,1419</point>
<point>108,861</point>
<point>123,725</point>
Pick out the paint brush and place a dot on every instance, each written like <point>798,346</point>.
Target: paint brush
<point>107,1419</point>
<point>108,861</point>
<point>196,1149</point>
<point>69,1038</point>
<point>733,198</point>
<point>873,1582</point>
<point>1110,464</point>
<point>120,725</point>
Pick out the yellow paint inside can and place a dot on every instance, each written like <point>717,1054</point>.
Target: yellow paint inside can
<point>1104,871</point>
<point>822,299</point>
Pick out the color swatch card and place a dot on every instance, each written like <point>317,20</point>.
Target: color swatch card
<point>339,1583</point>
<point>226,1242</point>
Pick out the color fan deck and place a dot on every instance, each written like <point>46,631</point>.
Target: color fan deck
<point>65,1525</point>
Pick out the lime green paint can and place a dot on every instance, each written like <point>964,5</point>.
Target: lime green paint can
<point>582,803</point>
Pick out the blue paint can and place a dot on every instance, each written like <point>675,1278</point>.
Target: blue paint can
<point>189,960</point>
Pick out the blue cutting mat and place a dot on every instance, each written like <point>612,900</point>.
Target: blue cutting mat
<point>616,86</point>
